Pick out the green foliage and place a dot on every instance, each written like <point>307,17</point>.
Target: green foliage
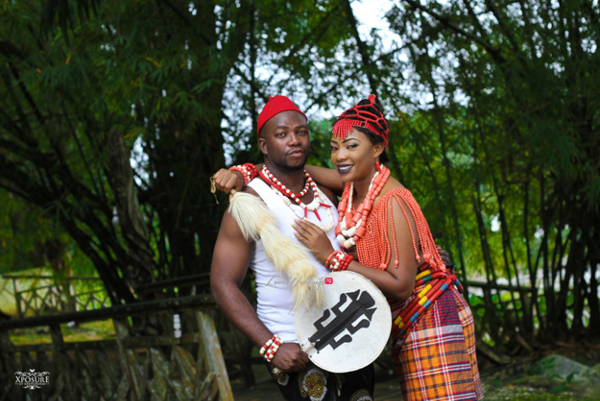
<point>493,109</point>
<point>500,149</point>
<point>159,75</point>
<point>29,237</point>
<point>320,147</point>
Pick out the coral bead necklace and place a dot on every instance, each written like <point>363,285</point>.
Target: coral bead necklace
<point>302,209</point>
<point>351,226</point>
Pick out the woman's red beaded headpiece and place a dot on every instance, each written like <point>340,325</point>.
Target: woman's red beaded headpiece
<point>359,116</point>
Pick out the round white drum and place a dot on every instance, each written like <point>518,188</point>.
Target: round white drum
<point>351,328</point>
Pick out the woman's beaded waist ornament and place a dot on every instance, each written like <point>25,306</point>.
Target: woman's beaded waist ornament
<point>433,284</point>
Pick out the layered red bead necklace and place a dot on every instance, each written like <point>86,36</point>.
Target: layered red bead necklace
<point>352,226</point>
<point>303,209</point>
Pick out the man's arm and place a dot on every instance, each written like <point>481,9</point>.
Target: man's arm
<point>229,267</point>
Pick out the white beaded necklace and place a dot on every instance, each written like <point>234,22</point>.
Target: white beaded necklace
<point>312,207</point>
<point>301,209</point>
<point>346,238</point>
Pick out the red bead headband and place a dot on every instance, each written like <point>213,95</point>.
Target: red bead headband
<point>358,116</point>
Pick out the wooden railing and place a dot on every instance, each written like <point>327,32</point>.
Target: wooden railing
<point>46,296</point>
<point>160,287</point>
<point>506,299</point>
<point>130,367</point>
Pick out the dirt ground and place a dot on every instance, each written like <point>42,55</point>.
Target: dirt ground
<point>386,387</point>
<point>509,382</point>
<point>514,381</point>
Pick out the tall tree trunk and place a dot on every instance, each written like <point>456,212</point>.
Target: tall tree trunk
<point>131,220</point>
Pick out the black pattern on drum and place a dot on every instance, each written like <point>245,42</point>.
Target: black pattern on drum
<point>357,314</point>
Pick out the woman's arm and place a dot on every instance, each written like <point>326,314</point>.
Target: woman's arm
<point>395,282</point>
<point>326,177</point>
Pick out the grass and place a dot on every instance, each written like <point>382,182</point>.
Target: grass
<point>531,394</point>
<point>7,298</point>
<point>91,331</point>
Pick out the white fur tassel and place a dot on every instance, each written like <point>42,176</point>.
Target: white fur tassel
<point>257,222</point>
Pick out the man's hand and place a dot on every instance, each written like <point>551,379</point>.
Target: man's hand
<point>226,180</point>
<point>290,358</point>
<point>444,255</point>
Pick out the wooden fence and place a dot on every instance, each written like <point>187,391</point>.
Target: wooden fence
<point>130,367</point>
<point>44,295</point>
<point>510,302</point>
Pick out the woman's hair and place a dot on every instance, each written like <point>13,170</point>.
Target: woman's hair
<point>373,137</point>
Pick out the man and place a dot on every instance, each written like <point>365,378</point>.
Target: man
<point>284,142</point>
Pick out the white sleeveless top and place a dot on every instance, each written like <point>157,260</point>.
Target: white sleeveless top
<point>274,289</point>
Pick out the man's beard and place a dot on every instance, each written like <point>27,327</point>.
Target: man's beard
<point>294,168</point>
<point>283,165</point>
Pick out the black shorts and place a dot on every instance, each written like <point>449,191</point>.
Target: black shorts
<point>315,384</point>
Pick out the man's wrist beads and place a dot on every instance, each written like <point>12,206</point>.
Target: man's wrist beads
<point>270,348</point>
<point>338,261</point>
<point>248,171</point>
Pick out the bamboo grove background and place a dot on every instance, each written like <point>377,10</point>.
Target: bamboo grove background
<point>494,108</point>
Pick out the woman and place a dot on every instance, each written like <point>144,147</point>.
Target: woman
<point>386,239</point>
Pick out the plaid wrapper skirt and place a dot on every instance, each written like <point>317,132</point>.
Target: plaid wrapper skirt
<point>436,359</point>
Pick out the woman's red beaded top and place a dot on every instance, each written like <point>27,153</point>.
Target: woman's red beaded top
<point>374,248</point>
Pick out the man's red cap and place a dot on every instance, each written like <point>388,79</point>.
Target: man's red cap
<point>274,106</point>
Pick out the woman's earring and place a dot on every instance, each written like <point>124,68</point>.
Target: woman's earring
<point>377,165</point>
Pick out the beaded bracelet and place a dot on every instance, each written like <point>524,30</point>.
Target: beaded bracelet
<point>248,171</point>
<point>345,262</point>
<point>334,265</point>
<point>266,346</point>
<point>338,261</point>
<point>270,348</point>
<point>328,261</point>
<point>270,353</point>
<point>242,170</point>
<point>252,169</point>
